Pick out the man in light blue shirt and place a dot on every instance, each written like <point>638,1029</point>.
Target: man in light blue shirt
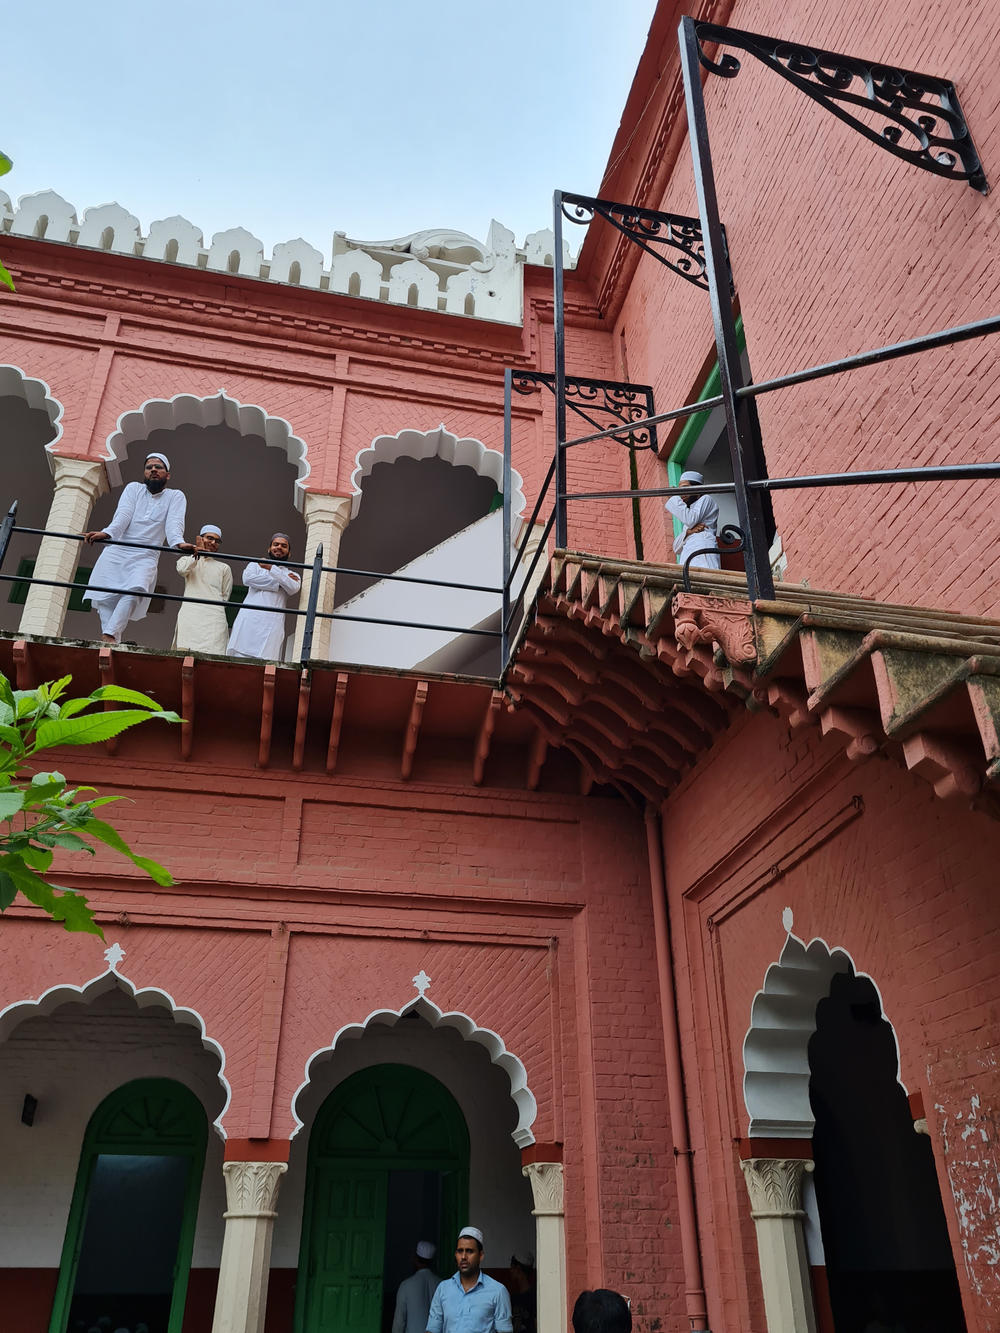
<point>469,1301</point>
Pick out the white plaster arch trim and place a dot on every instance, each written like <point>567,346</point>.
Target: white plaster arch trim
<point>112,979</point>
<point>521,1095</point>
<point>776,1047</point>
<point>15,383</point>
<point>438,443</point>
<point>219,409</point>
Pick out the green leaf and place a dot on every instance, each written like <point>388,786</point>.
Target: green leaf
<point>120,695</point>
<point>61,904</point>
<point>37,858</point>
<point>11,736</point>
<point>8,890</point>
<point>69,842</point>
<point>98,829</point>
<point>44,786</point>
<point>94,727</point>
<point>10,803</point>
<point>5,164</point>
<point>5,277</point>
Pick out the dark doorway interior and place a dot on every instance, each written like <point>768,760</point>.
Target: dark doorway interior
<point>888,1255</point>
<point>413,1213</point>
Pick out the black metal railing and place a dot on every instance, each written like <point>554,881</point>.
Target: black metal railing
<point>310,613</point>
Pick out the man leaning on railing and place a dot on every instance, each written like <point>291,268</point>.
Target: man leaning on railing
<point>147,512</point>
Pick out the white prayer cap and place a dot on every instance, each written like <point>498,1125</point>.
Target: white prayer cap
<point>696,477</point>
<point>474,1232</point>
<point>162,457</point>
<point>209,529</point>
<point>425,1250</point>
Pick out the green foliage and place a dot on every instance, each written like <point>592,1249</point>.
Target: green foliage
<point>41,814</point>
<point>5,166</point>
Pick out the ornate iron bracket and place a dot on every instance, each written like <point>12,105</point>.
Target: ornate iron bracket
<point>592,399</point>
<point>735,540</point>
<point>924,123</point>
<point>648,229</point>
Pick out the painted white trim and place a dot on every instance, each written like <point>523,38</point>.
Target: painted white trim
<point>521,1094</point>
<point>16,383</point>
<point>440,443</point>
<point>219,409</point>
<point>112,979</point>
<point>776,1046</point>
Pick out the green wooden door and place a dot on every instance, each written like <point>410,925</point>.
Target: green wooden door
<point>386,1119</point>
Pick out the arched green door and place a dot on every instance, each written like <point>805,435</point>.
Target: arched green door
<point>389,1145</point>
<point>127,1251</point>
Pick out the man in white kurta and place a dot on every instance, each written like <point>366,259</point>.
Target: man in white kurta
<point>699,534</point>
<point>414,1294</point>
<point>147,512</point>
<point>200,628</point>
<point>261,633</point>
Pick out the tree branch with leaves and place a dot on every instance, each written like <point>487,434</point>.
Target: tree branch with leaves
<point>5,166</point>
<point>41,814</point>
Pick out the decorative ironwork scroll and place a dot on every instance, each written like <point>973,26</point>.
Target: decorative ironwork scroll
<point>916,117</point>
<point>673,234</point>
<point>597,400</point>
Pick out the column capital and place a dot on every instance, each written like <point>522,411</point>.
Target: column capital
<point>775,1185</point>
<point>546,1187</point>
<point>87,473</point>
<point>252,1188</point>
<point>320,507</point>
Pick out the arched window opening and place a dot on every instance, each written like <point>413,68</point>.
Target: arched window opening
<point>170,251</point>
<point>354,285</point>
<point>888,1256</point>
<point>127,1252</point>
<point>233,266</point>
<point>24,433</point>
<point>107,238</point>
<point>295,274</point>
<point>412,294</point>
<point>470,304</point>
<point>41,226</point>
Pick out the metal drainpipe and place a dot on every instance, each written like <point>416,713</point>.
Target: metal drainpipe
<point>694,1283</point>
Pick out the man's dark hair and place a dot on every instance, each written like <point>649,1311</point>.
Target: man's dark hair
<point>601,1311</point>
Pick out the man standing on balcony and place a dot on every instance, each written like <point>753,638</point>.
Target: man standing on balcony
<point>200,628</point>
<point>149,513</point>
<point>261,633</point>
<point>699,534</point>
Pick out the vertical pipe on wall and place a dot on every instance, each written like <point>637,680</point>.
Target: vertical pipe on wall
<point>694,1283</point>
<point>559,351</point>
<point>508,434</point>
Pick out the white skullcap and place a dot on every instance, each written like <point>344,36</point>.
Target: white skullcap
<point>162,457</point>
<point>474,1232</point>
<point>425,1250</point>
<point>696,477</point>
<point>210,529</point>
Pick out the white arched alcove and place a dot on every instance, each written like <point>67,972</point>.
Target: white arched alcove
<point>15,383</point>
<point>520,1093</point>
<point>776,1047</point>
<point>440,443</point>
<point>67,993</point>
<point>218,410</point>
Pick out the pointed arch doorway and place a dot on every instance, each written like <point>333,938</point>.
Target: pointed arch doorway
<point>388,1164</point>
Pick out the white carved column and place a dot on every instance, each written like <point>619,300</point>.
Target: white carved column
<point>251,1193</point>
<point>775,1187</point>
<point>78,483</point>
<point>550,1244</point>
<point>531,546</point>
<point>326,518</point>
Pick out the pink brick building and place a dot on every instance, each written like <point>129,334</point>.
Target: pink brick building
<point>667,951</point>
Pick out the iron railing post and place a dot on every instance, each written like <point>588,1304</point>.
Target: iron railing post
<point>317,574</point>
<point>742,426</point>
<point>6,530</point>
<point>559,350</point>
<point>505,563</point>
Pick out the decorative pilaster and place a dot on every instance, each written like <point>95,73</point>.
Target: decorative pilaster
<point>550,1244</point>
<point>326,518</point>
<point>78,483</point>
<point>775,1188</point>
<point>251,1193</point>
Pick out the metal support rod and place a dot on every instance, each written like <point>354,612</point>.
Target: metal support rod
<point>505,554</point>
<point>313,604</point>
<point>741,424</point>
<point>6,529</point>
<point>559,358</point>
<point>526,534</point>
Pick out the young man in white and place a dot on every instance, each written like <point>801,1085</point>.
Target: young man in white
<point>200,628</point>
<point>699,535</point>
<point>260,633</point>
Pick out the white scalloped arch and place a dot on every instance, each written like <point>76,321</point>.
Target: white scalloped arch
<point>112,979</point>
<point>521,1094</point>
<point>15,383</point>
<point>219,409</point>
<point>776,1047</point>
<point>440,443</point>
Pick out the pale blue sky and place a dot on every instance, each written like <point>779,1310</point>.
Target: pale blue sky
<point>299,117</point>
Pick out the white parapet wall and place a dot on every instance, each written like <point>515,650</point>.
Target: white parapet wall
<point>438,269</point>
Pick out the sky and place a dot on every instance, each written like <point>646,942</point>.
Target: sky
<point>305,117</point>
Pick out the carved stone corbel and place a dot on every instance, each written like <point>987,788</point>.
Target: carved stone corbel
<point>718,622</point>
